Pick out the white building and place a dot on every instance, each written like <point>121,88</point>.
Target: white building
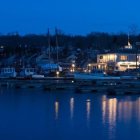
<point>118,61</point>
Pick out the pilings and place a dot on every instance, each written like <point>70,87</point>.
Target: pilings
<point>48,84</point>
<point>109,86</point>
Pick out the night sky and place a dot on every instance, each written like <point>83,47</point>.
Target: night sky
<point>71,16</point>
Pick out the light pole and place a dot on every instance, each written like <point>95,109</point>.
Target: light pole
<point>57,73</point>
<point>73,67</point>
<point>137,44</point>
<point>89,67</point>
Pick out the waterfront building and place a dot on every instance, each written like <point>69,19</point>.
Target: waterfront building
<point>118,61</point>
<point>127,58</point>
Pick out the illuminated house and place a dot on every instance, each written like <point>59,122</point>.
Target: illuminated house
<point>118,61</point>
<point>127,58</point>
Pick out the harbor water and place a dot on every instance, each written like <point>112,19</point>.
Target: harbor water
<point>34,114</point>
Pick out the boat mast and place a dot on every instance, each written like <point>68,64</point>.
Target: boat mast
<point>49,45</point>
<point>56,34</point>
<point>128,40</point>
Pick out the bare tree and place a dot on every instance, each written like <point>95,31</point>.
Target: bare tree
<point>133,29</point>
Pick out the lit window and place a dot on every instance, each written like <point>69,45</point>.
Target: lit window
<point>123,65</point>
<point>123,57</point>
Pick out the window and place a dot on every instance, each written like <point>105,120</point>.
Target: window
<point>123,65</point>
<point>132,65</point>
<point>123,57</point>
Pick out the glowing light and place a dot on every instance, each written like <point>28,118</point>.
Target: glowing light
<point>104,108</point>
<point>56,110</point>
<point>85,70</point>
<point>71,107</point>
<point>88,100</point>
<point>88,109</point>
<point>73,65</point>
<point>112,111</point>
<point>88,104</point>
<point>89,71</point>
<point>57,73</point>
<point>73,68</point>
<point>1,47</point>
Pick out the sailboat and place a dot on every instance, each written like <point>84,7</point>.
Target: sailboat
<point>45,61</point>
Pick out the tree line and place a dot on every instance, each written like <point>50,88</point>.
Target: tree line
<point>34,43</point>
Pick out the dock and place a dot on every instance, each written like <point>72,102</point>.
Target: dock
<point>110,87</point>
<point>50,83</point>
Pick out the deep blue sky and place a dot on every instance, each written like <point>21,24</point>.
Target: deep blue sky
<point>71,16</point>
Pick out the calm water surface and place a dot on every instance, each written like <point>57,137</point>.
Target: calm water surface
<point>33,114</point>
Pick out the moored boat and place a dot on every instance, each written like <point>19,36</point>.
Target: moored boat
<point>94,74</point>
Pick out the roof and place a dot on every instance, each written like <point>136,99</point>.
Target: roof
<point>122,51</point>
<point>50,66</point>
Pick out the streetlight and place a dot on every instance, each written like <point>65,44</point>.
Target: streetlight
<point>57,73</point>
<point>89,67</point>
<point>73,67</point>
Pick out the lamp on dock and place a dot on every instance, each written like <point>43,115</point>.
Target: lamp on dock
<point>57,73</point>
<point>73,67</point>
<point>89,67</point>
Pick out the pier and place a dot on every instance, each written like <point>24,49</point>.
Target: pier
<point>110,87</point>
<point>46,84</point>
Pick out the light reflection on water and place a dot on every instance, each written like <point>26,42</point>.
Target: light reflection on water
<point>127,109</point>
<point>56,110</point>
<point>68,116</point>
<point>88,109</point>
<point>71,107</point>
<point>121,109</point>
<point>109,107</point>
<point>88,106</point>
